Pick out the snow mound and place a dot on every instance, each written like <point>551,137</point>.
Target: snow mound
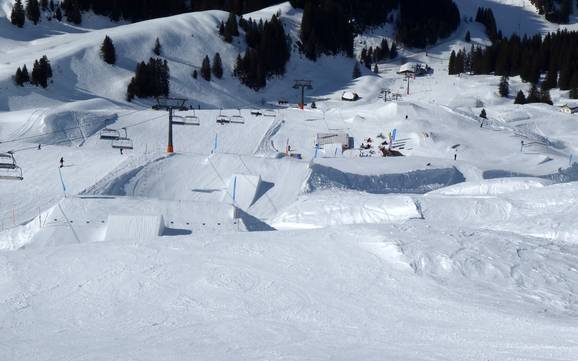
<point>134,228</point>
<point>417,181</point>
<point>326,209</point>
<point>492,186</point>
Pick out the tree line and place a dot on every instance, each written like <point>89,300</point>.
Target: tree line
<point>268,51</point>
<point>486,17</point>
<point>41,73</point>
<point>557,11</point>
<point>151,79</point>
<point>555,56</point>
<point>423,22</point>
<point>381,52</point>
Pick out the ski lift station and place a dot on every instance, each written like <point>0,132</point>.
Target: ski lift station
<point>333,138</point>
<point>414,68</point>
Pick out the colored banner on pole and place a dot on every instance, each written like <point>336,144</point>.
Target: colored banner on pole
<point>234,189</point>
<point>62,181</point>
<point>215,143</point>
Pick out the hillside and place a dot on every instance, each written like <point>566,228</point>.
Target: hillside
<point>275,233</point>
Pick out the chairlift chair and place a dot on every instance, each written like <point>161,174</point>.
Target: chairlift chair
<point>123,142</point>
<point>188,120</point>
<point>237,119</point>
<point>223,119</point>
<point>109,134</point>
<point>9,170</point>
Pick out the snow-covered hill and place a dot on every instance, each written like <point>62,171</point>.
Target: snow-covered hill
<point>252,243</point>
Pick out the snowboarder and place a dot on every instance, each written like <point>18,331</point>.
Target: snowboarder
<point>39,146</point>
<point>61,162</point>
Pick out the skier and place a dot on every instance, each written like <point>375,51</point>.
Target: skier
<point>455,155</point>
<point>61,162</point>
<point>521,145</point>
<point>120,151</point>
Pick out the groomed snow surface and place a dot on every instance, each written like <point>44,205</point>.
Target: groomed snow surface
<point>251,242</point>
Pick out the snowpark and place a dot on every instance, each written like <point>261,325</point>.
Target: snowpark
<point>251,242</point>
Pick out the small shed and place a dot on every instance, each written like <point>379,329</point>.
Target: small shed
<point>569,109</point>
<point>333,138</point>
<point>349,96</point>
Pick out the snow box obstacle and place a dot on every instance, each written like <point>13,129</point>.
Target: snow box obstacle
<point>243,190</point>
<point>134,227</point>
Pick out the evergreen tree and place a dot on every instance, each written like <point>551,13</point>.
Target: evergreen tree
<point>18,15</point>
<point>533,95</point>
<point>545,96</point>
<point>267,54</point>
<point>107,51</point>
<point>222,29</point>
<point>150,80</point>
<point>157,48</point>
<point>231,28</point>
<point>504,87</point>
<point>18,77</point>
<point>72,11</point>
<point>217,68</point>
<point>573,93</point>
<point>356,70</point>
<point>195,74</point>
<point>46,68</point>
<point>25,75</point>
<point>38,78</point>
<point>468,38</point>
<point>520,98</point>
<point>483,114</point>
<point>131,90</point>
<point>206,69</point>
<point>44,5</point>
<point>33,11</point>
<point>551,80</point>
<point>393,51</point>
<point>452,64</point>
<point>58,14</point>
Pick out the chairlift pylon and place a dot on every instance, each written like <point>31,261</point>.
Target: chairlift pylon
<point>123,142</point>
<point>9,170</point>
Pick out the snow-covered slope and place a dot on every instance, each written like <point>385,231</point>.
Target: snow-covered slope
<point>465,248</point>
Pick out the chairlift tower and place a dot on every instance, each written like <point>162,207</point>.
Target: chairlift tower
<point>302,84</point>
<point>171,105</point>
<point>408,77</point>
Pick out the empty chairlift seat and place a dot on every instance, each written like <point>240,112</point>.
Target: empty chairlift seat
<point>109,134</point>
<point>9,170</point>
<point>238,118</point>
<point>187,119</point>
<point>123,142</point>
